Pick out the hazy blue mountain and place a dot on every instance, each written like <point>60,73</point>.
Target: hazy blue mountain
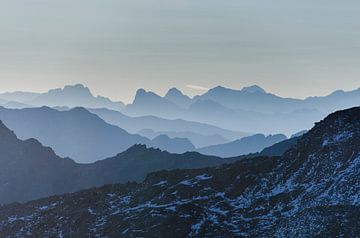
<point>79,134</point>
<point>287,123</point>
<point>176,96</point>
<point>28,170</point>
<point>74,96</point>
<point>71,96</point>
<point>174,145</point>
<point>251,98</point>
<point>335,101</point>
<point>196,139</point>
<point>250,109</point>
<point>76,133</point>
<point>16,105</point>
<point>253,89</point>
<point>149,103</point>
<point>19,96</point>
<point>136,124</point>
<point>310,191</point>
<point>246,145</point>
<point>254,98</point>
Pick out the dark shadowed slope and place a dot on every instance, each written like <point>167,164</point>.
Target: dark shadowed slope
<point>279,148</point>
<point>246,145</point>
<point>29,170</point>
<point>311,191</point>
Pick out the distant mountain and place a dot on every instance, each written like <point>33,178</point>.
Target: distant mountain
<point>76,133</point>
<point>251,98</point>
<point>177,97</point>
<point>136,124</point>
<point>81,135</point>
<point>71,96</point>
<point>29,170</point>
<point>196,139</point>
<point>149,103</point>
<point>174,145</point>
<point>246,145</point>
<point>311,191</point>
<point>249,109</point>
<point>337,100</point>
<point>19,96</point>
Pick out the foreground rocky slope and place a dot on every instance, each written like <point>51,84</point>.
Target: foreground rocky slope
<point>311,191</point>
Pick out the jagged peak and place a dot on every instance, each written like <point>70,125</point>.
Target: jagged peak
<point>74,89</point>
<point>138,148</point>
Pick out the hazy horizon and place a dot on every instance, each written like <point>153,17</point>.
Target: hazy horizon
<point>290,48</point>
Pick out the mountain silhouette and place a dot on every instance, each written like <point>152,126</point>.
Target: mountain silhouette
<point>149,103</point>
<point>79,134</point>
<point>246,145</point>
<point>29,170</point>
<point>174,145</point>
<point>71,96</point>
<point>249,109</point>
<point>157,124</point>
<point>198,140</point>
<point>175,96</point>
<point>310,191</point>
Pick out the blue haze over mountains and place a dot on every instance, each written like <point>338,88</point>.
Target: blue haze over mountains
<point>250,109</point>
<point>219,118</point>
<point>312,188</point>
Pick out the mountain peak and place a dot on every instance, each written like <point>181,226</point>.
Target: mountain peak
<point>140,92</point>
<point>76,88</point>
<point>253,89</point>
<point>218,88</point>
<point>175,96</point>
<point>174,92</point>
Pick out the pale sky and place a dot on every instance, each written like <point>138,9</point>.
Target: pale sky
<point>289,47</point>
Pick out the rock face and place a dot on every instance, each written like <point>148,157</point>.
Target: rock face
<point>312,190</point>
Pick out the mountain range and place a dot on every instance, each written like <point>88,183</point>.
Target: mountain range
<point>28,170</point>
<point>310,191</point>
<point>249,109</point>
<point>71,96</point>
<point>81,135</point>
<point>200,134</point>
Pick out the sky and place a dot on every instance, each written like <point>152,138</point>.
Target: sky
<point>289,47</point>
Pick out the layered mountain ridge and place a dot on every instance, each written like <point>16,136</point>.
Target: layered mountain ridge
<point>29,170</point>
<point>312,190</point>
